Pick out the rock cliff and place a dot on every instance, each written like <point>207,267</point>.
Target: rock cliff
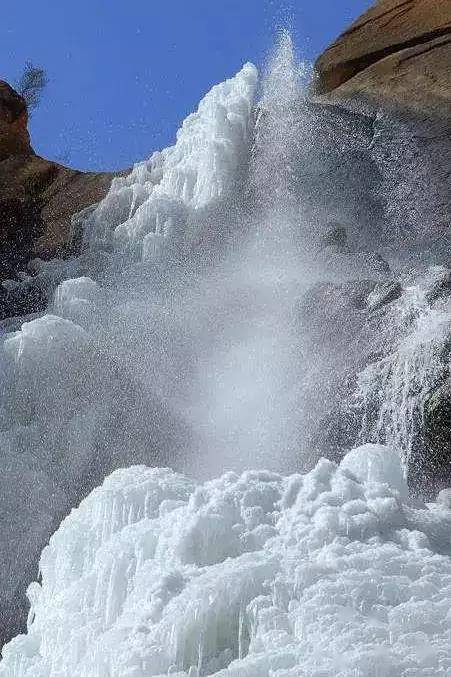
<point>37,200</point>
<point>397,53</point>
<point>391,71</point>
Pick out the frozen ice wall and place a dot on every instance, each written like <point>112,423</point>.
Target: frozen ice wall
<point>148,212</point>
<point>99,381</point>
<point>331,573</point>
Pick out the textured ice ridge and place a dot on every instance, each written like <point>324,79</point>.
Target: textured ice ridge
<point>148,211</point>
<point>330,574</point>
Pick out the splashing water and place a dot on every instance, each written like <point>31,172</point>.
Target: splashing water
<point>392,391</point>
<point>163,345</point>
<point>277,142</point>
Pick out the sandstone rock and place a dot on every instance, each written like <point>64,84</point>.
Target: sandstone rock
<point>398,52</point>
<point>14,137</point>
<point>37,199</point>
<point>392,67</point>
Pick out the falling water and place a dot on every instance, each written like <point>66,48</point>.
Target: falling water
<point>278,141</point>
<point>392,391</point>
<point>162,343</point>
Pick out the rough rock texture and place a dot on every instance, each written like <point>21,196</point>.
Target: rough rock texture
<point>392,67</point>
<point>437,419</point>
<point>391,71</point>
<point>37,199</point>
<point>398,52</point>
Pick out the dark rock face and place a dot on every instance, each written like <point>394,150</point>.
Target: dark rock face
<point>382,97</point>
<point>344,334</point>
<point>437,427</point>
<point>37,201</point>
<point>14,137</point>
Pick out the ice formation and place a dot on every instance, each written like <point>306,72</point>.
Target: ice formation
<point>321,575</point>
<point>92,384</point>
<point>334,573</point>
<point>148,211</point>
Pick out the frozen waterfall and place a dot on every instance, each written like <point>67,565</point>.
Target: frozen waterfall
<point>191,333</point>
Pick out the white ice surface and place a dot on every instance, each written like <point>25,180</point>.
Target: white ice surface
<point>255,575</point>
<point>73,403</point>
<point>376,463</point>
<point>150,208</point>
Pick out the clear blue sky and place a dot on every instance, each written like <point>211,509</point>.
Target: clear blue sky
<point>124,73</point>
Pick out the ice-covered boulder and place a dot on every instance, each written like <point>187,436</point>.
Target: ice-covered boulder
<point>324,574</point>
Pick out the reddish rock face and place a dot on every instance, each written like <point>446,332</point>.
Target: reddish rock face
<point>398,52</point>
<point>37,197</point>
<point>14,136</point>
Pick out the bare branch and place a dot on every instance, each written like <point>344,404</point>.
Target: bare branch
<point>31,84</point>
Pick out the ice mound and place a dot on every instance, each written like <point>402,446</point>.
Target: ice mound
<point>377,463</point>
<point>34,359</point>
<point>321,575</point>
<point>148,212</point>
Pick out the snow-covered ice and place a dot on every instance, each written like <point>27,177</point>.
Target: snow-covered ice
<point>321,575</point>
<point>148,211</point>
